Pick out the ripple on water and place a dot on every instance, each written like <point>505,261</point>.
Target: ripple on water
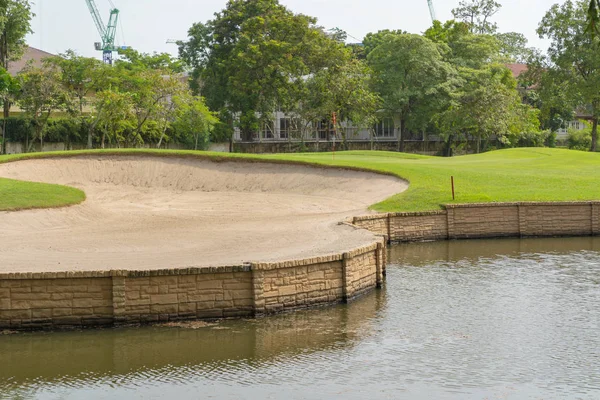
<point>486,324</point>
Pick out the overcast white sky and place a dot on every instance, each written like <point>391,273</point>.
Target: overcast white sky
<point>147,24</point>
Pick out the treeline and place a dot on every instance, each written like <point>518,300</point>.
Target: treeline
<point>256,58</point>
<point>141,99</point>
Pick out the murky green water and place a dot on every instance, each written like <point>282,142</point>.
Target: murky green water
<point>456,320</point>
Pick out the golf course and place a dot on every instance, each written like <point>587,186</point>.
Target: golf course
<point>526,174</point>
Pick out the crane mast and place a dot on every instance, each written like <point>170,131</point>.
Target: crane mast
<point>431,10</point>
<point>107,32</point>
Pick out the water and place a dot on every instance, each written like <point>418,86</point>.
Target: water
<point>483,319</point>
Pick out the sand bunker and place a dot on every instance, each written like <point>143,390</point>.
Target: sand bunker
<point>155,213</point>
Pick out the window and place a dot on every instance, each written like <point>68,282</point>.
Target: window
<point>385,128</point>
<point>289,127</point>
<point>267,129</point>
<point>324,129</point>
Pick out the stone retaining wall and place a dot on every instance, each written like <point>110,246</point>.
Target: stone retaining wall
<point>488,220</point>
<point>105,298</point>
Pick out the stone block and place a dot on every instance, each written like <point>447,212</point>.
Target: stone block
<point>4,304</point>
<point>62,312</point>
<point>163,299</point>
<point>15,314</point>
<point>164,309</point>
<point>187,308</point>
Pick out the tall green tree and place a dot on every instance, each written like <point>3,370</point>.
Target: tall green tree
<point>251,59</point>
<point>9,88</point>
<point>81,76</point>
<point>478,14</point>
<point>113,114</point>
<point>413,80</point>
<point>15,24</point>
<point>593,16</point>
<point>486,103</point>
<point>573,57</point>
<point>193,120</point>
<point>41,94</point>
<point>345,90</point>
<point>513,47</point>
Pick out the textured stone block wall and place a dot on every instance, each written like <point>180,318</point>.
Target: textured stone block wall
<point>53,300</point>
<point>488,220</point>
<point>570,219</point>
<point>406,227</point>
<point>175,297</point>
<point>361,272</point>
<point>482,221</point>
<point>49,303</point>
<point>378,224</point>
<point>291,285</point>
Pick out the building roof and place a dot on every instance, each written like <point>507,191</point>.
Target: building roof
<point>31,54</point>
<point>517,69</point>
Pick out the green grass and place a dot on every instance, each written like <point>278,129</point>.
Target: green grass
<point>18,195</point>
<point>533,174</point>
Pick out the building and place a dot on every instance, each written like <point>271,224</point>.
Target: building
<point>580,115</point>
<point>33,55</point>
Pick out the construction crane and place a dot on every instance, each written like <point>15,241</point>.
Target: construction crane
<point>431,10</point>
<point>107,33</point>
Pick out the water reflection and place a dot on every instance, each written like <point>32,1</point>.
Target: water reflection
<point>485,319</point>
<point>169,354</point>
<point>457,250</point>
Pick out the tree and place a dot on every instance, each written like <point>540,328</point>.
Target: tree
<point>461,47</point>
<point>15,24</point>
<point>193,120</point>
<point>113,112</point>
<point>372,40</point>
<point>345,90</point>
<point>486,103</point>
<point>41,94</point>
<point>251,59</point>
<point>80,76</point>
<point>593,16</point>
<point>513,47</point>
<point>477,14</point>
<point>573,57</point>
<point>412,79</point>
<point>8,89</point>
<point>151,91</point>
<point>132,60</point>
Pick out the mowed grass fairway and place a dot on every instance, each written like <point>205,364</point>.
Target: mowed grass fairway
<point>531,174</point>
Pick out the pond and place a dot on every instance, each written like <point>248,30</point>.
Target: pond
<point>484,319</point>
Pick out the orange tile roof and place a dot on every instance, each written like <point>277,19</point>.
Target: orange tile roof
<point>517,69</point>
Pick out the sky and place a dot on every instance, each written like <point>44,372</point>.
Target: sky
<point>146,25</point>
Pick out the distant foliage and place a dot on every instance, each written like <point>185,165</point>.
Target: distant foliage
<point>579,139</point>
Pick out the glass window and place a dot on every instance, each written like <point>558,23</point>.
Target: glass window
<point>385,128</point>
<point>268,129</point>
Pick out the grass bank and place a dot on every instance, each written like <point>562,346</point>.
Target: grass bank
<point>18,195</point>
<point>532,174</point>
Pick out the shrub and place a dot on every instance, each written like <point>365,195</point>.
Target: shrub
<point>580,139</point>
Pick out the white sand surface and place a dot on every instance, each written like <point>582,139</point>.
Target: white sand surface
<point>154,213</point>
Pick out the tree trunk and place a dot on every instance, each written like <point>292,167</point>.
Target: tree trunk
<point>402,134</point>
<point>162,136</point>
<point>6,115</point>
<point>3,147</point>
<point>594,133</point>
<point>398,127</point>
<point>448,146</point>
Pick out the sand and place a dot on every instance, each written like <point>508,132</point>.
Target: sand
<point>152,213</point>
